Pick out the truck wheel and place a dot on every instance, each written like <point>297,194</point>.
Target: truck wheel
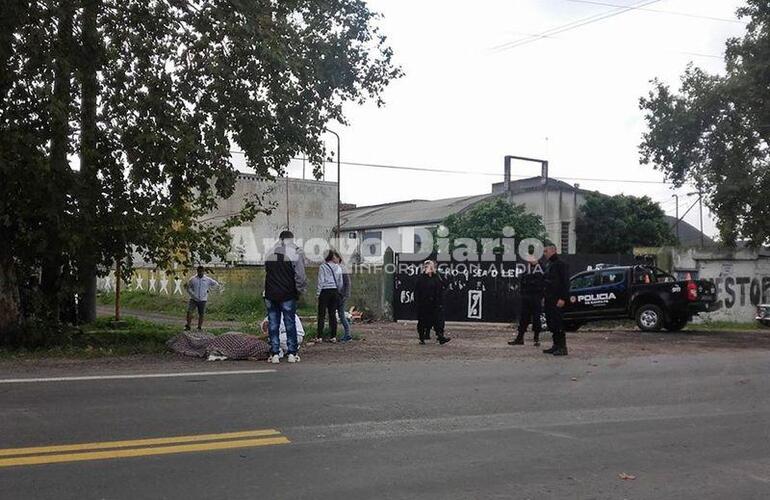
<point>649,318</point>
<point>676,324</point>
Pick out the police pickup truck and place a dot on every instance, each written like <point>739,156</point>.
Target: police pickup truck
<point>651,296</point>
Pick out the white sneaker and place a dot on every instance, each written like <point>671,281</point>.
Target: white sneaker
<point>274,359</point>
<point>293,358</point>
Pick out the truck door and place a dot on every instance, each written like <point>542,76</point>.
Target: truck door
<point>612,293</point>
<point>580,285</point>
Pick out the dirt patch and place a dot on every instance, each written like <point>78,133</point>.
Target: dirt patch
<point>398,341</point>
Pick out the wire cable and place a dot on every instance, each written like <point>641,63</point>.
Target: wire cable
<point>470,172</point>
<point>660,11</point>
<point>572,25</point>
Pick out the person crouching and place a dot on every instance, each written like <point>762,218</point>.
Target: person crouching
<point>429,297</point>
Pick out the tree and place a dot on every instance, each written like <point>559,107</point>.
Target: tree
<point>715,133</point>
<point>153,97</point>
<point>617,224</point>
<point>488,218</point>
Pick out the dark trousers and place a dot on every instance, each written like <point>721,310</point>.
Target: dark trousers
<point>554,316</point>
<point>531,309</point>
<point>428,319</point>
<point>327,303</point>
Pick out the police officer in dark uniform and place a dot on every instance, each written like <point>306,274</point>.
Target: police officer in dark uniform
<point>429,298</point>
<point>556,297</point>
<point>531,286</point>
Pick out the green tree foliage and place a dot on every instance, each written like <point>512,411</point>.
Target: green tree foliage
<point>715,132</point>
<point>488,218</point>
<point>616,224</point>
<point>118,118</point>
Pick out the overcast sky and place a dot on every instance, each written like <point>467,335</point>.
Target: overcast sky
<point>462,104</point>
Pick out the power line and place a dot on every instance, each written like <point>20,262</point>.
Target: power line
<point>660,11</point>
<point>645,51</point>
<point>573,25</point>
<point>470,172</point>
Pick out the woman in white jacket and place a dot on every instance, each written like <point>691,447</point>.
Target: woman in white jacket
<point>328,293</point>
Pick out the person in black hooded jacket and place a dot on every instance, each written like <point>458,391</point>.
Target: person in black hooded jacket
<point>429,298</point>
<point>531,288</point>
<point>556,297</point>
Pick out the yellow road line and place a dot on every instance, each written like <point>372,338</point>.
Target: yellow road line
<point>141,452</point>
<point>135,443</point>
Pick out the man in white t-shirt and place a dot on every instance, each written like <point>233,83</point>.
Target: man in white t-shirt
<point>198,289</point>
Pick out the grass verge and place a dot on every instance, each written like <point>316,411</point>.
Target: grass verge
<point>229,306</point>
<point>130,336</point>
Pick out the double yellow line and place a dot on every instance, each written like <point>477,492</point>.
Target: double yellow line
<point>10,457</point>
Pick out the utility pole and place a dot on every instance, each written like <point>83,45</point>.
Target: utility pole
<point>287,198</point>
<point>700,208</point>
<point>676,226</point>
<point>338,182</point>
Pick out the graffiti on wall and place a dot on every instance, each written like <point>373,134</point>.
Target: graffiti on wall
<point>741,291</point>
<point>157,283</point>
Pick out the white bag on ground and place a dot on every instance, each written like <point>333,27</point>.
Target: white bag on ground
<point>282,333</point>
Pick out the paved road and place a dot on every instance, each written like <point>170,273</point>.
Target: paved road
<point>685,426</point>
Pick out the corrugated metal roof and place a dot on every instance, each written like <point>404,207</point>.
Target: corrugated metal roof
<point>406,213</point>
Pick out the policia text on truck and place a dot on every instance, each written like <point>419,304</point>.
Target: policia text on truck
<point>652,297</point>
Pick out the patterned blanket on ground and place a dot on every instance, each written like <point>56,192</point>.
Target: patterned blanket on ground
<point>232,345</point>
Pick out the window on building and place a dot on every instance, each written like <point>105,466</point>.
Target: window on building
<point>417,243</point>
<point>565,237</point>
<point>371,246</point>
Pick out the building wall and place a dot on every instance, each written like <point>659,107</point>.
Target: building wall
<point>742,277</point>
<point>555,207</point>
<point>312,213</point>
<point>399,239</point>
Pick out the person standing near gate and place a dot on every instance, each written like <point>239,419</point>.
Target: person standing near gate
<point>429,298</point>
<point>330,288</point>
<point>556,297</point>
<point>343,298</point>
<point>285,281</point>
<point>531,286</point>
<point>198,290</point>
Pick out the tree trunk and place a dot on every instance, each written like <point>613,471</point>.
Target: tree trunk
<point>9,296</point>
<point>90,62</point>
<point>61,102</point>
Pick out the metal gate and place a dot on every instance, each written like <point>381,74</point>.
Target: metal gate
<point>478,291</point>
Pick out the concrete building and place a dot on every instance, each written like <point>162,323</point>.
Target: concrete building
<point>397,225</point>
<point>307,207</point>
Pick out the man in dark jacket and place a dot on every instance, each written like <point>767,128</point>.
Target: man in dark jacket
<point>531,286</point>
<point>556,297</point>
<point>429,297</point>
<point>285,281</point>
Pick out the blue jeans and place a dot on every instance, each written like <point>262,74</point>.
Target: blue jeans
<point>343,319</point>
<point>287,309</point>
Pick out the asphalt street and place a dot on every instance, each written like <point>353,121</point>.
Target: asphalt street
<point>674,426</point>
